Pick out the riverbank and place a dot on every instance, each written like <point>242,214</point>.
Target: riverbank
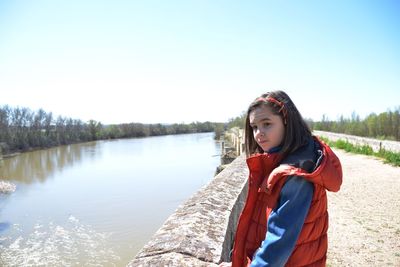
<point>13,153</point>
<point>38,129</point>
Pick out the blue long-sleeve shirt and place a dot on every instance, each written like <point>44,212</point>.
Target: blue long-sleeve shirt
<point>285,223</point>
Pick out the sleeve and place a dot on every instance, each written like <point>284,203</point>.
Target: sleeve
<point>285,223</point>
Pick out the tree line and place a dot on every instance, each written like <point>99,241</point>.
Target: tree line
<point>385,125</point>
<point>22,129</point>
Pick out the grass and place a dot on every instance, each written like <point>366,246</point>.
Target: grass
<point>389,157</point>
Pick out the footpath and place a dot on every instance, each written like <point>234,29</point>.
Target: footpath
<point>364,221</point>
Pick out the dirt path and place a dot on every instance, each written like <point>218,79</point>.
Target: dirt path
<point>365,214</point>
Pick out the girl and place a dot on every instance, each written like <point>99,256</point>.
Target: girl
<point>284,221</point>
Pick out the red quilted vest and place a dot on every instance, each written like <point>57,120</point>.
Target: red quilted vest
<point>266,180</point>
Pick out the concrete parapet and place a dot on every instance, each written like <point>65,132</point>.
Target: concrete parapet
<point>375,144</point>
<point>201,231</point>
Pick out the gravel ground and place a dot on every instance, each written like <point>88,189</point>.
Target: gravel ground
<point>365,214</point>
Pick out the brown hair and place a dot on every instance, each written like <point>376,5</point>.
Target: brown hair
<point>297,132</point>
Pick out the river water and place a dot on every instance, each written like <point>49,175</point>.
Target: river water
<point>98,203</point>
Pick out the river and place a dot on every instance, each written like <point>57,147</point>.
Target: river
<point>98,203</point>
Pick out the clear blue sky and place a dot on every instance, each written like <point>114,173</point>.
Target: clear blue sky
<point>182,61</point>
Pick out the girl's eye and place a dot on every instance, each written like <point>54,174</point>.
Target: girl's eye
<point>266,124</point>
<point>254,127</point>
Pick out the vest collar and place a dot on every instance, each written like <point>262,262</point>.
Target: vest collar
<point>264,170</point>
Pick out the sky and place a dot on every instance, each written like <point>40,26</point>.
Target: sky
<point>198,60</point>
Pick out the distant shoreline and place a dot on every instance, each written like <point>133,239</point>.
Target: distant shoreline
<point>18,152</point>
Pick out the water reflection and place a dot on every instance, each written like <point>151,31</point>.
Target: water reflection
<point>37,166</point>
<point>93,204</point>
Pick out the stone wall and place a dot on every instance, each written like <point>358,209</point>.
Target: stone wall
<point>200,232</point>
<point>375,144</point>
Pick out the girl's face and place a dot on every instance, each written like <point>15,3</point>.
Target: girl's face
<point>268,128</point>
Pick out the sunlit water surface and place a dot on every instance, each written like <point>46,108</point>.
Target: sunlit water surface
<point>98,203</point>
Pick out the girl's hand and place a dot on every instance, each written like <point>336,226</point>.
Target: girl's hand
<point>225,264</point>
